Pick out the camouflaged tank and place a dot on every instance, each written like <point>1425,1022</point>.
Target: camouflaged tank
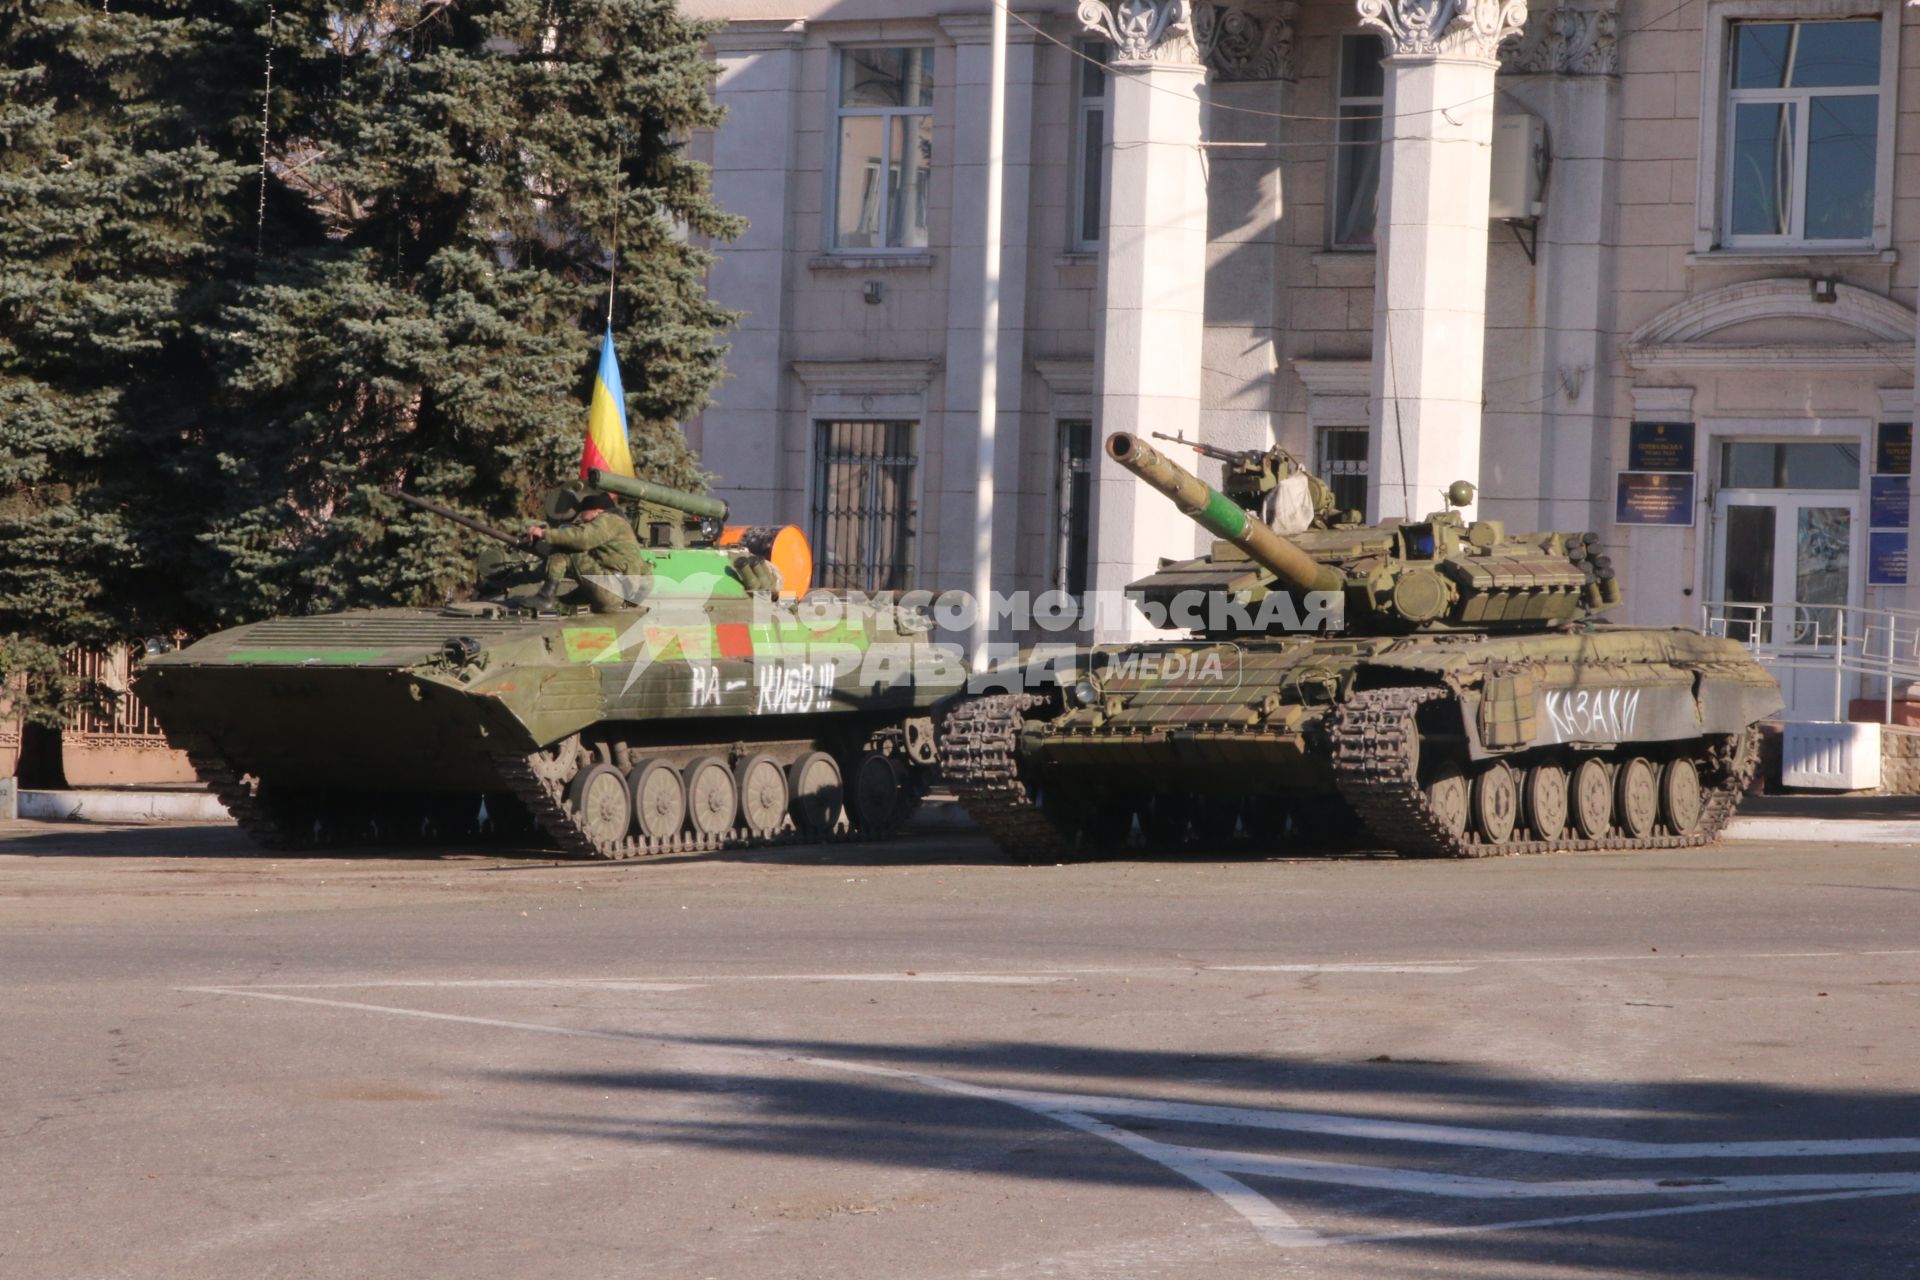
<point>707,715</point>
<point>1443,681</point>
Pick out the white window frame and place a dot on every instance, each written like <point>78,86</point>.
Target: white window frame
<point>1084,105</point>
<point>1713,195</point>
<point>835,114</point>
<point>1342,154</point>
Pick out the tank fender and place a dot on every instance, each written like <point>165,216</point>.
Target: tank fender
<point>1524,705</point>
<point>1733,699</point>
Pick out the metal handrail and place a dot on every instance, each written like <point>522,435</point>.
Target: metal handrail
<point>1880,644</point>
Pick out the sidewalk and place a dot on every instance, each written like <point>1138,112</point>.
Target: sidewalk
<point>1828,819</point>
<point>1811,819</point>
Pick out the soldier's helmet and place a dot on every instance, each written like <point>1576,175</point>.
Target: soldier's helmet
<point>561,505</point>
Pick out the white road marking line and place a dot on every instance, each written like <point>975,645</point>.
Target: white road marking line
<point>1464,1186</point>
<point>1340,968</point>
<point>484,985</point>
<point>1383,1130</point>
<point>1213,1169</point>
<point>686,984</point>
<point>1617,1215</point>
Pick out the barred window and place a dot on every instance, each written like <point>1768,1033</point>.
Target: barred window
<point>1073,507</point>
<point>863,478</point>
<point>1342,463</point>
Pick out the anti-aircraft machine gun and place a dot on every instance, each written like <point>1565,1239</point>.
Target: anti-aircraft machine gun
<point>1444,681</point>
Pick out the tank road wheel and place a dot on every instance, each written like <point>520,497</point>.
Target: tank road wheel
<point>1496,802</point>
<point>1680,801</point>
<point>1107,825</point>
<point>711,797</point>
<point>1447,797</point>
<point>600,803</point>
<point>875,795</point>
<point>659,800</point>
<point>763,793</point>
<point>1592,798</point>
<point>816,794</point>
<point>1637,798</point>
<point>1546,797</point>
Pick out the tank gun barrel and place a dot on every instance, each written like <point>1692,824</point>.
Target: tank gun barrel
<point>646,491</point>
<point>464,521</point>
<point>1220,516</point>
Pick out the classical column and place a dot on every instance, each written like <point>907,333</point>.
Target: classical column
<point>741,437</point>
<point>1248,49</point>
<point>1548,435</point>
<point>1430,272</point>
<point>1153,264</point>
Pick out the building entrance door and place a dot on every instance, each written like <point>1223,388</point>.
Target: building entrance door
<point>1791,556</point>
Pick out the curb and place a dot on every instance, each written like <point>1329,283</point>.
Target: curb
<point>1825,831</point>
<point>121,806</point>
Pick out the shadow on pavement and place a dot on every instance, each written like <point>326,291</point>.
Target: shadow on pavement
<point>831,1110</point>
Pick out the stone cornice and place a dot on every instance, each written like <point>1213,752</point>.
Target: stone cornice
<point>1240,41</point>
<point>1143,32</point>
<point>1566,41</point>
<point>1444,28</point>
<point>1876,356</point>
<point>977,28</point>
<point>751,35</point>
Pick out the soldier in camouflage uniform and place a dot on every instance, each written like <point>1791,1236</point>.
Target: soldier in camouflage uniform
<point>597,542</point>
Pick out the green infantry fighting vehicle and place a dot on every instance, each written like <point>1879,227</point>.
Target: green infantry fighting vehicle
<point>1466,703</point>
<point>705,714</point>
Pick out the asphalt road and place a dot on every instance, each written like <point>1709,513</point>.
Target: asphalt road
<point>916,1062</point>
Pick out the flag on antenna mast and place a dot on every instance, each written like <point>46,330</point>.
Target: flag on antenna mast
<point>606,446</point>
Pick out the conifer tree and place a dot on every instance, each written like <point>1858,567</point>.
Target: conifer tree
<point>120,195</point>
<point>218,342</point>
<point>486,159</point>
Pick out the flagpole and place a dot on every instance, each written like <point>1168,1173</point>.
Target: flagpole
<point>989,341</point>
<point>613,252</point>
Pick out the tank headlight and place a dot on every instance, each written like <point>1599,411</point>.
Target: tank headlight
<point>1084,692</point>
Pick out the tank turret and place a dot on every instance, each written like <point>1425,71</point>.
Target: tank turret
<point>1441,573</point>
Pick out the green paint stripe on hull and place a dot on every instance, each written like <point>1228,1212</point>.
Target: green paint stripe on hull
<point>330,657</point>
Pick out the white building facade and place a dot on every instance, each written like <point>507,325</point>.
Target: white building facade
<point>1533,246</point>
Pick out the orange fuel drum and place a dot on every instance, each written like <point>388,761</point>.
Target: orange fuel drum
<point>783,546</point>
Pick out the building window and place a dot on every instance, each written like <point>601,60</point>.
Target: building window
<point>1341,460</point>
<point>1802,129</point>
<point>1090,142</point>
<point>863,505</point>
<point>884,131</point>
<point>1073,507</point>
<point>1359,100</point>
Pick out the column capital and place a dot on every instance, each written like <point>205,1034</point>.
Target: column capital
<point>1445,28</point>
<point>1568,41</point>
<point>1144,32</point>
<point>1242,41</point>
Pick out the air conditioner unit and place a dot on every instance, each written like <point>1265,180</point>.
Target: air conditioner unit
<point>1519,146</point>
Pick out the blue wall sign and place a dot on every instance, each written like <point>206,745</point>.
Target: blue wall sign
<point>1893,449</point>
<point>1887,558</point>
<point>1654,497</point>
<point>1888,507</point>
<point>1660,446</point>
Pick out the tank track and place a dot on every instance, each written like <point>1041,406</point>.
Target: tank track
<point>978,761</point>
<point>1375,757</point>
<point>538,781</point>
<point>239,797</point>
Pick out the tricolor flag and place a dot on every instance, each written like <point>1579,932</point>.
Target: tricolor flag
<point>606,447</point>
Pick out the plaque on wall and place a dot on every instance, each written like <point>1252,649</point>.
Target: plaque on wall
<point>1660,446</point>
<point>1654,497</point>
<point>1887,558</point>
<point>1893,449</point>
<point>1888,504</point>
